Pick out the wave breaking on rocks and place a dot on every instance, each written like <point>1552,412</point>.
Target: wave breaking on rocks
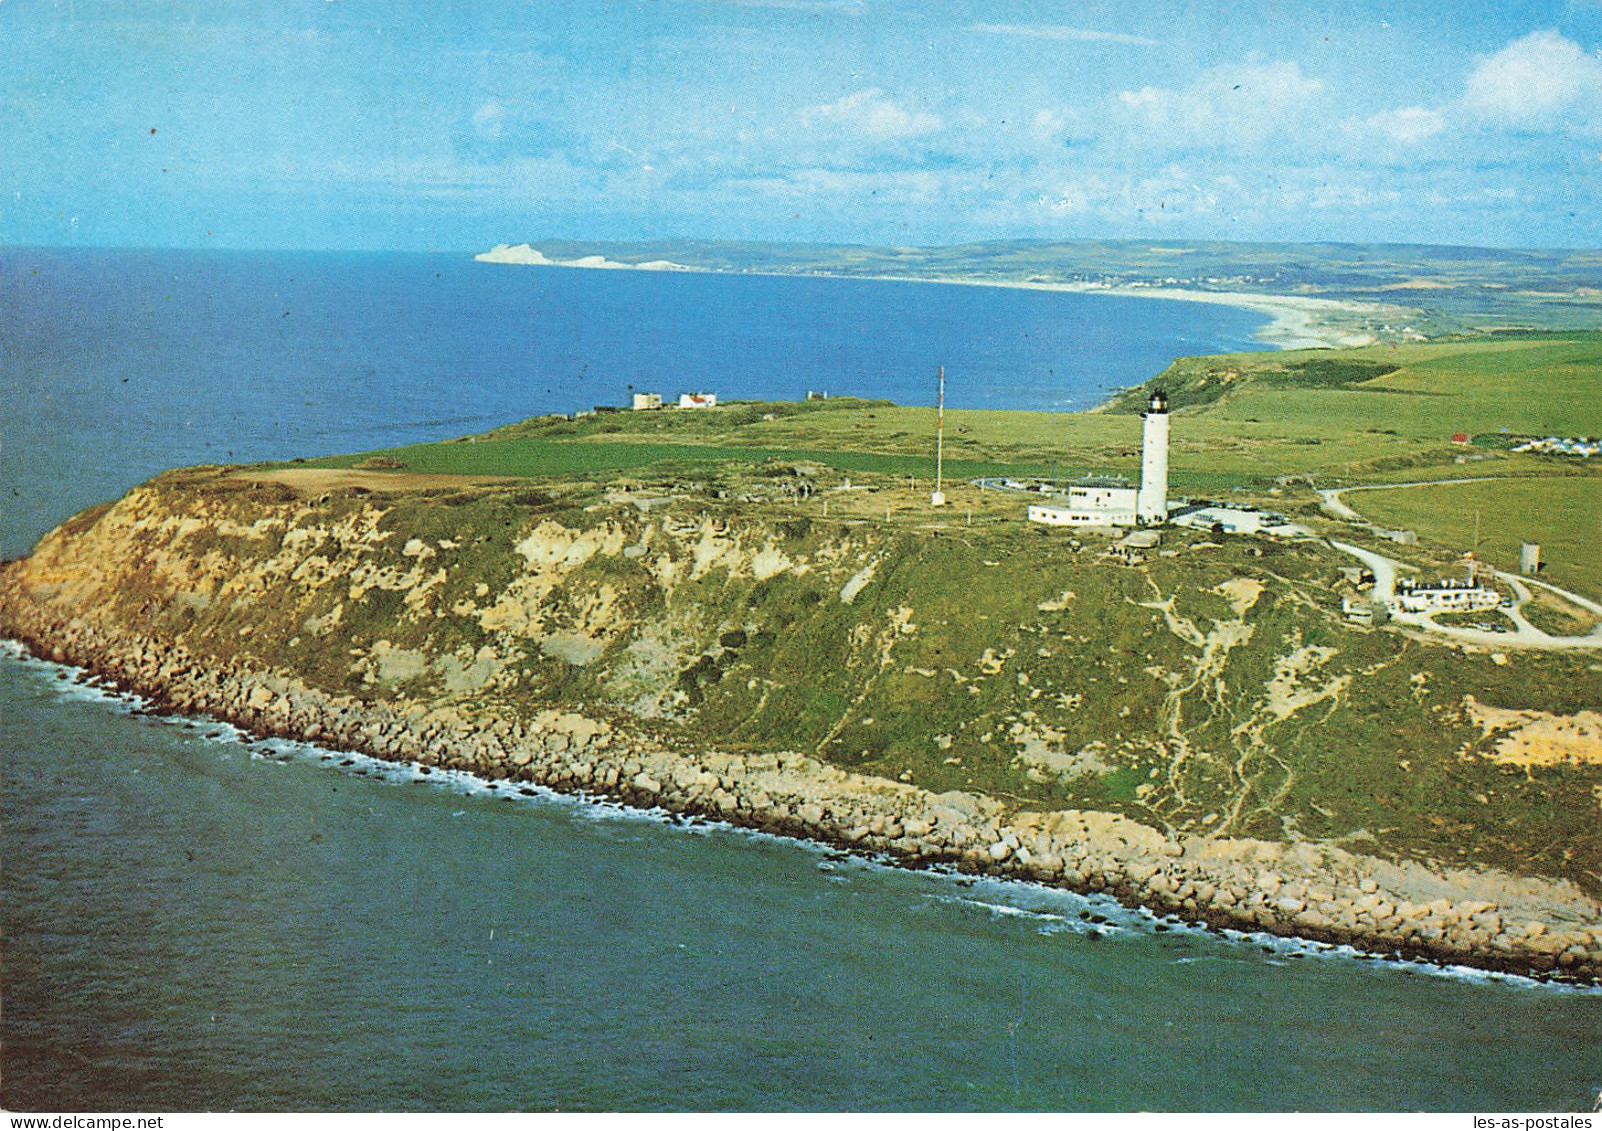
<point>1481,919</point>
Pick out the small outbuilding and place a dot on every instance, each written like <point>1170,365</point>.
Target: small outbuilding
<point>1232,520</point>
<point>1444,596</point>
<point>1089,502</point>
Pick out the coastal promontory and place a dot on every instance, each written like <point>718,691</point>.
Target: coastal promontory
<point>751,613</point>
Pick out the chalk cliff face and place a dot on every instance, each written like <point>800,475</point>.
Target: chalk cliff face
<point>1198,733</point>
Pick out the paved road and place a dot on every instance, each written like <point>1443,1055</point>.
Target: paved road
<point>1331,496</point>
<point>1524,634</point>
<point>1383,568</point>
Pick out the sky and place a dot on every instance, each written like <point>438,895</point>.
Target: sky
<point>388,124</point>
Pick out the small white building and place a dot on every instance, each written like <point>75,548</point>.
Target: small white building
<point>1056,514</point>
<point>698,400</point>
<point>1094,496</point>
<point>644,402</point>
<point>1103,503</point>
<point>1234,520</point>
<point>1444,596</point>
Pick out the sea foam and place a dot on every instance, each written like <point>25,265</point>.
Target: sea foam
<point>1052,910</point>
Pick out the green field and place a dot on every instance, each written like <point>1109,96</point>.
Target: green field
<point>1398,412</point>
<point>534,458</point>
<point>529,457</point>
<point>1352,416</point>
<point>1563,515</point>
<point>1267,427</point>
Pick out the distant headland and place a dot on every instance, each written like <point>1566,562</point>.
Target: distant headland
<point>527,256</point>
<point>1315,295</point>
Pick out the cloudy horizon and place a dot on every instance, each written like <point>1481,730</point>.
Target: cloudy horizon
<point>362,125</point>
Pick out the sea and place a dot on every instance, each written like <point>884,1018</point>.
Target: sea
<point>194,920</point>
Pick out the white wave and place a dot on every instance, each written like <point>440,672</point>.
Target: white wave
<point>1282,947</point>
<point>1004,909</point>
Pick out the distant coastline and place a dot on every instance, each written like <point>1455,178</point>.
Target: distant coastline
<point>522,255</point>
<point>1296,321</point>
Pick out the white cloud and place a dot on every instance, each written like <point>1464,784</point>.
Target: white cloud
<point>1233,105</point>
<point>1171,195</point>
<point>1064,34</point>
<point>1148,97</point>
<point>1408,125</point>
<point>489,119</point>
<point>1312,200</point>
<point>872,114</point>
<point>1536,82</point>
<point>1048,125</point>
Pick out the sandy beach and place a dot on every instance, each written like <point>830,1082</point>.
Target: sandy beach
<point>1298,321</point>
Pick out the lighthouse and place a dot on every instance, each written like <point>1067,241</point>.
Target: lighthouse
<point>1107,502</point>
<point>1151,504</point>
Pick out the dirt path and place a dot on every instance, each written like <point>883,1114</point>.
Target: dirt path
<point>1384,570</point>
<point>310,480</point>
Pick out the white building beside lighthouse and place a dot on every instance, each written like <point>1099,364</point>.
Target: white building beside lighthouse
<point>1106,502</point>
<point>1151,505</point>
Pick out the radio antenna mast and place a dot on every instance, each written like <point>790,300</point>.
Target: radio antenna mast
<point>938,499</point>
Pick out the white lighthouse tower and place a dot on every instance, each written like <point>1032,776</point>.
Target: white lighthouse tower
<point>1151,504</point>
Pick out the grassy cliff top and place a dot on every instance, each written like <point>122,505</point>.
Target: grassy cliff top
<point>1262,427</point>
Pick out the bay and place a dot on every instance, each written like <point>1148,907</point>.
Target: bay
<point>120,364</point>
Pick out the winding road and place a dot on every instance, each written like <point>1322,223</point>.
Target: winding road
<point>1331,496</point>
<point>1524,634</point>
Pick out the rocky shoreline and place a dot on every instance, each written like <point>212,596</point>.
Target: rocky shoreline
<point>1493,921</point>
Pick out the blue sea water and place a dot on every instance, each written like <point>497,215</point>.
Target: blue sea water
<point>194,921</point>
<point>125,363</point>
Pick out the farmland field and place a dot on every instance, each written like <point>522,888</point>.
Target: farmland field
<point>1376,415</point>
<point>1563,515</point>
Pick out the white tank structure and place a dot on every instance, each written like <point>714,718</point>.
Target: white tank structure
<point>1151,504</point>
